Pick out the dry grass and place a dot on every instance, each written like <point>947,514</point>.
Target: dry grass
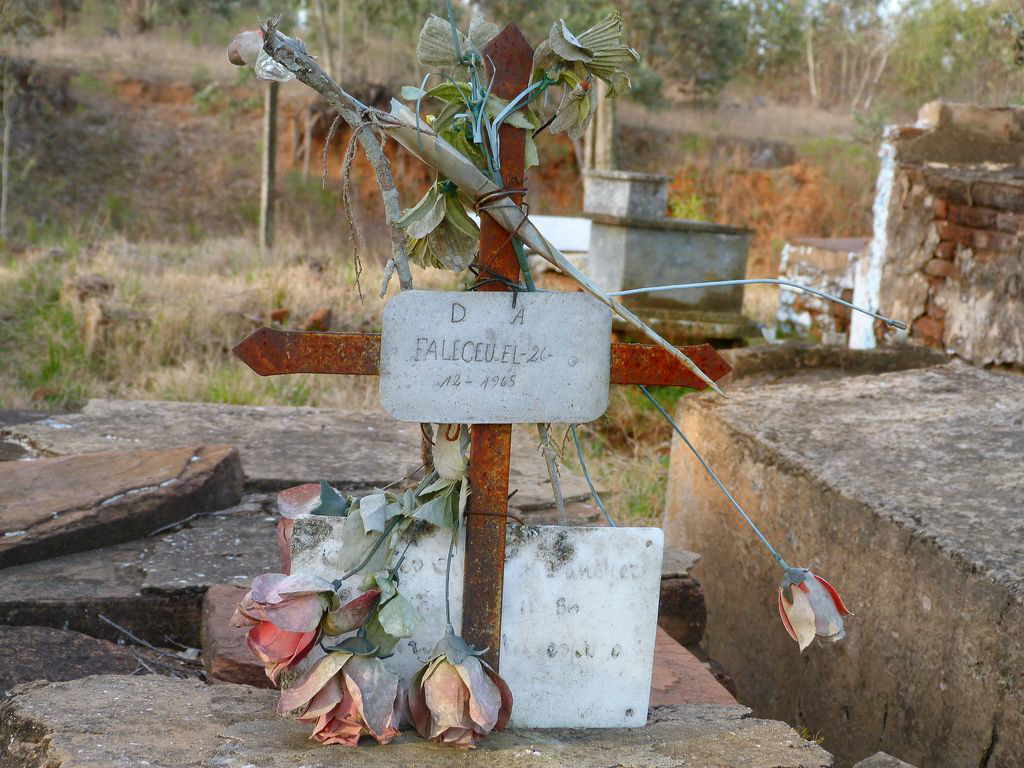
<point>158,321</point>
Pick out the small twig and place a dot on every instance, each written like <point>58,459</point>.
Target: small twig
<point>142,662</point>
<point>178,523</point>
<point>292,56</point>
<point>134,638</point>
<point>327,147</point>
<point>556,486</point>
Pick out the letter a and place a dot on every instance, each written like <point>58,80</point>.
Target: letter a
<point>519,318</point>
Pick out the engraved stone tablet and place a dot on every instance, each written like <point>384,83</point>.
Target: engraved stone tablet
<point>578,620</point>
<point>477,358</point>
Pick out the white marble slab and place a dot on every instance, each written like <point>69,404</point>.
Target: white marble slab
<point>475,358</point>
<point>579,615</point>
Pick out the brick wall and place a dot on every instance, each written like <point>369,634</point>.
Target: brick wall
<point>953,267</point>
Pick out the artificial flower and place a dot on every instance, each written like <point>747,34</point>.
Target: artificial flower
<point>295,603</point>
<point>347,696</point>
<point>576,110</point>
<point>277,648</point>
<point>456,698</point>
<point>436,45</point>
<point>598,51</point>
<point>809,607</point>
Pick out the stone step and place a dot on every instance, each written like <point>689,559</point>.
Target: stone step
<point>903,489</point>
<point>154,586</point>
<point>281,446</point>
<point>166,723</point>
<point>44,653</point>
<point>57,506</point>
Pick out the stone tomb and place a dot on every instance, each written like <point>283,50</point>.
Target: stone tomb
<point>578,618</point>
<point>492,358</point>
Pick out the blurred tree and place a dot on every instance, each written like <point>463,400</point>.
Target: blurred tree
<point>19,19</point>
<point>957,49</point>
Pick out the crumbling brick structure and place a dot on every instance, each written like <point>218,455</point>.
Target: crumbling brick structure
<point>947,253</point>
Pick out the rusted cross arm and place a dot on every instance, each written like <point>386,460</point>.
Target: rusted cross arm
<point>270,352</point>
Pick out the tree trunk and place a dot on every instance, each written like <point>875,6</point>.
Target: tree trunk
<point>325,35</point>
<point>269,163</point>
<point>599,140</point>
<point>5,160</point>
<point>812,81</point>
<point>341,41</point>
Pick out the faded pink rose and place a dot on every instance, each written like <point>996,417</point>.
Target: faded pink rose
<point>456,698</point>
<point>810,607</point>
<point>278,649</point>
<point>284,613</point>
<point>347,696</point>
<point>294,602</point>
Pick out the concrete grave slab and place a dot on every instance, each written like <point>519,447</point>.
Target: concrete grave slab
<point>44,653</point>
<point>282,446</point>
<point>904,490</point>
<point>153,587</point>
<point>578,618</point>
<point>542,357</point>
<point>165,723</point>
<point>51,507</point>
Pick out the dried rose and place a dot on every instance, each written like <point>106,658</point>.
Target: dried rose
<point>347,696</point>
<point>295,603</point>
<point>284,613</point>
<point>277,648</point>
<point>456,698</point>
<point>809,607</point>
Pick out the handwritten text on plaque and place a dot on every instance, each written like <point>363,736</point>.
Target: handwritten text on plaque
<point>480,358</point>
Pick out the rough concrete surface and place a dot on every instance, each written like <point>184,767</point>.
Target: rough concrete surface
<point>43,653</point>
<point>153,587</point>
<point>280,446</point>
<point>51,507</point>
<point>905,491</point>
<point>117,721</point>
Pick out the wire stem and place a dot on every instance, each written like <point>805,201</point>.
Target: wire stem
<point>586,476</point>
<point>714,477</point>
<point>448,579</point>
<point>387,532</point>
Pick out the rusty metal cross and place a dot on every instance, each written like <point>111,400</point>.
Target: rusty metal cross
<point>271,352</point>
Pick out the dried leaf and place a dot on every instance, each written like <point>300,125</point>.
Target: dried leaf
<point>566,45</point>
<point>399,617</point>
<point>482,31</point>
<point>425,216</point>
<point>435,47</point>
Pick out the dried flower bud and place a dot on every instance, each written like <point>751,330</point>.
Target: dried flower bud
<point>245,48</point>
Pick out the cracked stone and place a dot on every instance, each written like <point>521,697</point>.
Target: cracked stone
<point>57,506</point>
<point>166,723</point>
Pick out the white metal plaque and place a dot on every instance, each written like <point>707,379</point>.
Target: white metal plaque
<point>578,619</point>
<point>479,358</point>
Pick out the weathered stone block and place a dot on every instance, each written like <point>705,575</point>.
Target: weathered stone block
<point>153,587</point>
<point>903,489</point>
<point>44,653</point>
<point>226,656</point>
<point>283,446</point>
<point>57,506</point>
<point>165,723</point>
<point>626,193</point>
